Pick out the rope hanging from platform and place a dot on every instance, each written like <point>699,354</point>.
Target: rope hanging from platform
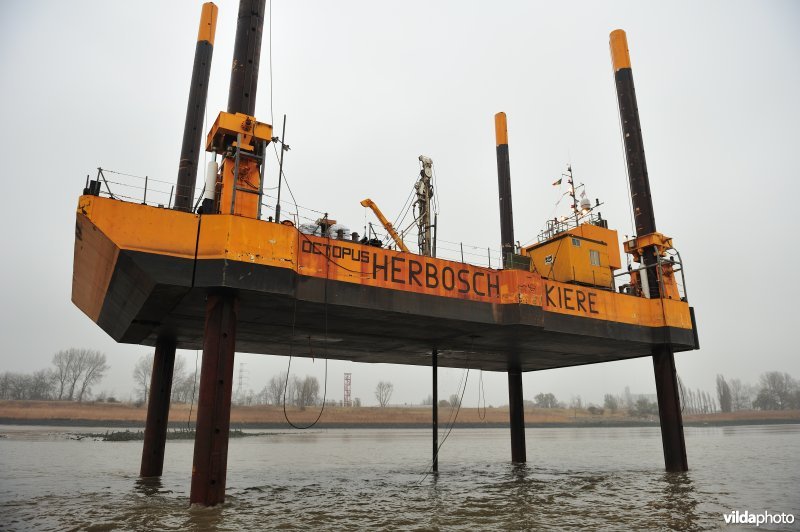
<point>325,341</point>
<point>449,429</point>
<point>481,394</point>
<point>324,398</point>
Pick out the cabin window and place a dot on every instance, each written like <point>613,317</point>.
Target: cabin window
<point>594,257</point>
<point>576,242</point>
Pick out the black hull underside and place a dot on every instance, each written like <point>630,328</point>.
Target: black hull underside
<point>282,313</point>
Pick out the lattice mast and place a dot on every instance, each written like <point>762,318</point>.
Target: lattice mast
<point>424,189</point>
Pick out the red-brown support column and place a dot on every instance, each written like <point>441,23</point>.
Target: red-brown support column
<point>155,431</point>
<point>214,403</point>
<point>669,410</point>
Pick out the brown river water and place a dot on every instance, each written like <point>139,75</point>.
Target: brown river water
<point>364,479</point>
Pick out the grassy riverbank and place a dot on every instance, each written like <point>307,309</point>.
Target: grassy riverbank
<point>128,415</point>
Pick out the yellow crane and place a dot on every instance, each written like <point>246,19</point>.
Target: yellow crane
<point>386,223</point>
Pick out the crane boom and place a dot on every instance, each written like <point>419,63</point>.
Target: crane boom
<point>386,223</point>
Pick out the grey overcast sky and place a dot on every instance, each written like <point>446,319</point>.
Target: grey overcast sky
<point>367,87</point>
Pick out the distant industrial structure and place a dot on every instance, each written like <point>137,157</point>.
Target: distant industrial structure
<point>348,383</point>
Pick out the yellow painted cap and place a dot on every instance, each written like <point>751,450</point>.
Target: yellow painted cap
<point>208,23</point>
<point>500,128</point>
<point>620,57</point>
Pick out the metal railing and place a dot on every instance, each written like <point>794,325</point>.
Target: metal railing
<point>158,192</point>
<point>670,258</point>
<point>133,188</point>
<point>557,226</point>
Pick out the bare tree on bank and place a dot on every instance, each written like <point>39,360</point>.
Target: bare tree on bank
<point>741,395</point>
<point>273,391</point>
<point>94,367</point>
<point>383,392</point>
<point>454,399</point>
<point>184,382</point>
<point>76,370</point>
<point>306,392</point>
<point>724,394</point>
<point>37,386</point>
<point>184,385</point>
<point>63,363</point>
<point>142,373</point>
<point>288,394</point>
<point>778,391</point>
<point>545,400</point>
<point>611,402</point>
<point>41,384</point>
<point>627,398</point>
<point>296,391</point>
<point>644,408</point>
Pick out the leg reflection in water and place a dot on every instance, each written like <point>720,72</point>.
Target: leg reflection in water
<point>149,486</point>
<point>677,509</point>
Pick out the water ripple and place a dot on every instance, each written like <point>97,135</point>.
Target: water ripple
<point>333,481</point>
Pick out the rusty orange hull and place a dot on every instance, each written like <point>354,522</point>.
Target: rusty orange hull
<point>143,272</point>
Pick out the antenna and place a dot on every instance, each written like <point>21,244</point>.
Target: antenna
<point>571,184</point>
<point>582,210</point>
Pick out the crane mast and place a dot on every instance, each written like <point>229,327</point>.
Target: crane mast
<point>386,223</point>
<point>424,190</point>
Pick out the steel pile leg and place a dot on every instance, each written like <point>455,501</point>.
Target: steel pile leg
<point>669,410</point>
<point>155,430</point>
<point>516,417</point>
<point>214,403</point>
<point>435,411</point>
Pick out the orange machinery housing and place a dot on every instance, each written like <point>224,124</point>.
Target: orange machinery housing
<point>587,254</point>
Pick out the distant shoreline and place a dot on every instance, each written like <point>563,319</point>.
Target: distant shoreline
<point>118,424</point>
<point>122,415</point>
